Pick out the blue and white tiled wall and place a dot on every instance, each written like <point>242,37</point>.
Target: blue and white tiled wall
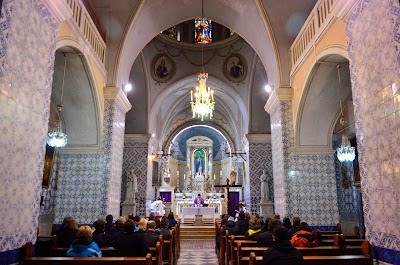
<point>89,185</point>
<point>374,51</point>
<point>260,158</point>
<point>304,185</point>
<point>135,157</point>
<point>24,116</point>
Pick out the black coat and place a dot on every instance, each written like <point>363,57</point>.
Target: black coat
<point>231,227</point>
<point>131,245</point>
<point>265,239</point>
<point>282,253</point>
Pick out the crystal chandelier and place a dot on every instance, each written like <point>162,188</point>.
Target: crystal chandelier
<point>203,103</point>
<point>57,138</point>
<point>345,153</point>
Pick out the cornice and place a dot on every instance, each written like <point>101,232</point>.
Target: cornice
<point>119,96</point>
<point>279,94</point>
<point>259,138</point>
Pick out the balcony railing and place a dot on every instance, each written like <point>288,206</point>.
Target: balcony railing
<point>88,28</point>
<point>318,18</point>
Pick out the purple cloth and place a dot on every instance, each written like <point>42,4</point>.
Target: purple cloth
<point>196,201</point>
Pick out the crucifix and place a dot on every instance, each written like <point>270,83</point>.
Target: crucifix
<point>227,186</point>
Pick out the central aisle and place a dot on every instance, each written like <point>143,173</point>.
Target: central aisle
<point>198,251</point>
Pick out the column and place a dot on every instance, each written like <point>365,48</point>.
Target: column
<point>304,181</point>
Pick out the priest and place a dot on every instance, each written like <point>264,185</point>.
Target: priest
<point>199,201</point>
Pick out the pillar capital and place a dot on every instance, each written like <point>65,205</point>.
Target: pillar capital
<point>279,94</point>
<point>119,96</point>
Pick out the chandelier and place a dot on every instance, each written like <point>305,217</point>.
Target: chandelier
<point>345,153</point>
<point>203,101</point>
<point>57,138</point>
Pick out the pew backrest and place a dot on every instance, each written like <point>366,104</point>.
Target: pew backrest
<point>148,260</point>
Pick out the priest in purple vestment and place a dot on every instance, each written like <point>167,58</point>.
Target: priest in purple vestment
<point>199,201</point>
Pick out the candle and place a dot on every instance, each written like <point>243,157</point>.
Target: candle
<point>177,172</point>
<point>184,176</point>
<point>191,95</point>
<point>214,176</point>
<point>220,173</point>
<point>212,95</point>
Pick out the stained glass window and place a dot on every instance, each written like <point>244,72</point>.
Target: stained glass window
<point>171,32</point>
<point>202,32</point>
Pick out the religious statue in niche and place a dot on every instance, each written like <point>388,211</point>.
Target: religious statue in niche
<point>131,186</point>
<point>264,187</point>
<point>345,179</point>
<point>199,161</point>
<point>233,177</point>
<point>167,175</point>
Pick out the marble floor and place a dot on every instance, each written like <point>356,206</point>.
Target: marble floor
<point>198,252</point>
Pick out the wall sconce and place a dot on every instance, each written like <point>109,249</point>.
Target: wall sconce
<point>152,157</point>
<point>128,87</point>
<point>268,88</point>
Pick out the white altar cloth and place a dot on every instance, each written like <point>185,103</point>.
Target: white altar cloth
<point>198,211</point>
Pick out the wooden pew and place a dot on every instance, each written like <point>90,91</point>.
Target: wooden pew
<point>62,252</point>
<point>168,253</point>
<point>157,251</point>
<point>90,261</point>
<point>317,260</point>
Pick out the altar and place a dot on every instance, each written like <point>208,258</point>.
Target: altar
<point>217,206</point>
<point>198,211</point>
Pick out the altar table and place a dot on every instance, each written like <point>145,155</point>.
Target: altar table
<point>198,211</point>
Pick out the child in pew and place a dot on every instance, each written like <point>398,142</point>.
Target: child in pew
<point>84,246</point>
<point>304,237</point>
<point>282,252</point>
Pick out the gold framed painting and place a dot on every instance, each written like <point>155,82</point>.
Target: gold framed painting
<point>162,68</point>
<point>235,68</point>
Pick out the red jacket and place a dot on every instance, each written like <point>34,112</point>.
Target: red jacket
<point>304,239</point>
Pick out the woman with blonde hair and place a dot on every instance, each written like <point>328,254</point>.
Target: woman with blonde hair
<point>84,246</point>
<point>142,225</point>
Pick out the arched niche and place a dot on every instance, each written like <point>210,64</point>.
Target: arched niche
<point>80,113</point>
<point>319,104</point>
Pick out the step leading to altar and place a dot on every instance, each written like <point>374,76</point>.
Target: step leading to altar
<point>197,232</point>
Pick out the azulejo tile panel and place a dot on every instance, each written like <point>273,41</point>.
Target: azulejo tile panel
<point>372,34</point>
<point>135,157</point>
<point>24,115</point>
<point>260,158</point>
<point>89,186</point>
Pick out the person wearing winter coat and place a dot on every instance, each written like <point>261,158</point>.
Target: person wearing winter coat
<point>84,246</point>
<point>282,252</point>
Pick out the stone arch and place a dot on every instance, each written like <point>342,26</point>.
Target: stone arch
<point>81,113</point>
<point>256,30</point>
<point>319,102</point>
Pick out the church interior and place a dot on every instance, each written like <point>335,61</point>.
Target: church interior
<point>280,107</point>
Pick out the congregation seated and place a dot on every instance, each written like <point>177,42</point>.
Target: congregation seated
<point>84,246</point>
<point>254,229</point>
<point>265,239</point>
<point>304,237</point>
<point>171,220</point>
<point>151,235</point>
<point>67,233</point>
<point>231,227</point>
<point>131,244</point>
<point>102,238</point>
<point>109,223</point>
<point>286,223</point>
<point>117,231</point>
<point>241,223</point>
<point>136,219</point>
<point>164,230</point>
<point>282,251</point>
<point>295,227</point>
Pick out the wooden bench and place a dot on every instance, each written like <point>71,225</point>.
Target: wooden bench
<point>317,260</point>
<point>148,260</point>
<point>62,252</point>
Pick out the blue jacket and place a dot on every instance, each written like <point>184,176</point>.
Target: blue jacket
<point>80,248</point>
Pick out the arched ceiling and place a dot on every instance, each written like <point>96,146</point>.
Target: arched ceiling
<point>181,139</point>
<point>80,111</point>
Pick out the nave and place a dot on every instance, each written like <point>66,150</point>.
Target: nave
<point>198,251</point>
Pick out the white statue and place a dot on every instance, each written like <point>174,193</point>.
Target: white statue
<point>264,187</point>
<point>131,186</point>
